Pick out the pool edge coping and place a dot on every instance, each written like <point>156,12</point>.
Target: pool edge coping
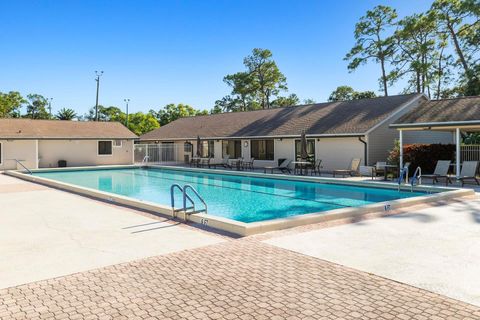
<point>247,229</point>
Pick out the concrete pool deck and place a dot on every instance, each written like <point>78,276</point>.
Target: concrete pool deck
<point>436,248</point>
<point>46,233</point>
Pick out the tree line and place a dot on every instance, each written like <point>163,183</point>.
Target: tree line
<point>37,107</point>
<point>436,52</point>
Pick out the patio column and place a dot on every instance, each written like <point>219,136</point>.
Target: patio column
<point>457,152</point>
<point>400,141</point>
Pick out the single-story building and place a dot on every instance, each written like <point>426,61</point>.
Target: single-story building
<point>336,132</point>
<point>449,116</point>
<point>42,143</point>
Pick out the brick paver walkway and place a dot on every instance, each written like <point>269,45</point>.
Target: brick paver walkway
<point>237,279</point>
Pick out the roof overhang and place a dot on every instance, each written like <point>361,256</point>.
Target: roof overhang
<point>66,138</point>
<point>339,135</point>
<point>448,125</point>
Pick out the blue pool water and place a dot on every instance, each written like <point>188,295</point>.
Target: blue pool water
<point>240,198</point>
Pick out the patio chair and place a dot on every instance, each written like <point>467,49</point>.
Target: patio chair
<point>248,165</point>
<point>194,162</point>
<point>237,163</point>
<point>379,168</point>
<point>316,167</point>
<point>469,172</point>
<point>367,171</point>
<point>205,162</point>
<point>283,167</point>
<point>353,169</point>
<point>441,171</point>
<point>224,163</point>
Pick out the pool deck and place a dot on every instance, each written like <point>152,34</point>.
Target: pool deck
<point>437,250</point>
<point>47,233</point>
<point>95,265</point>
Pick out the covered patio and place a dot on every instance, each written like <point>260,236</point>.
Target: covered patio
<point>458,116</point>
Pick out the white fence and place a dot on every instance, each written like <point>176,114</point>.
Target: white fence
<point>470,152</point>
<point>162,153</point>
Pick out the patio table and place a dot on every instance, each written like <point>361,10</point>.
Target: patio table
<point>196,161</point>
<point>302,165</point>
<point>386,167</point>
<point>237,163</point>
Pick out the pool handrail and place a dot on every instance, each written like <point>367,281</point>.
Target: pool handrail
<point>172,200</point>
<point>185,197</point>
<point>417,177</point>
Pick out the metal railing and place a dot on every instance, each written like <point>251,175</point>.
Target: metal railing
<point>22,165</point>
<point>160,153</point>
<point>416,178</point>
<point>185,197</point>
<point>470,152</point>
<point>402,176</point>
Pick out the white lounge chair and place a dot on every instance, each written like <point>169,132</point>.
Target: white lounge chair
<point>283,167</point>
<point>441,171</point>
<point>353,169</point>
<point>469,172</point>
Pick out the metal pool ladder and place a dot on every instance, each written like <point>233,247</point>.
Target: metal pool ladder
<point>186,210</point>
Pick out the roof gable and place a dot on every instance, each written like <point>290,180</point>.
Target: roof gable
<point>354,117</point>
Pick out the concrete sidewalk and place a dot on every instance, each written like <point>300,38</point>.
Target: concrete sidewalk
<point>46,233</point>
<point>437,248</point>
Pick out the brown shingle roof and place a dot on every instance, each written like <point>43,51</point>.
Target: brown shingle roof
<point>330,118</point>
<point>57,129</point>
<point>442,111</point>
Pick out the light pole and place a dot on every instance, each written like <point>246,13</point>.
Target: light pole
<point>97,78</point>
<point>50,106</point>
<point>126,102</point>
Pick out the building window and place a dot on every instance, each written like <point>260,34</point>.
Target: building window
<point>232,148</point>
<point>262,149</point>
<point>310,150</point>
<point>105,148</point>
<point>117,143</point>
<point>207,149</point>
<point>187,147</point>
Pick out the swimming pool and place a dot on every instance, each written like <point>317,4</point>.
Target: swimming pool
<point>241,198</point>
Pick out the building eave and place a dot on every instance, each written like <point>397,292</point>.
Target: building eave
<point>338,135</point>
<point>419,125</point>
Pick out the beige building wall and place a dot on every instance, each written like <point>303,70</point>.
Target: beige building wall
<point>18,149</point>
<point>337,153</point>
<point>82,153</point>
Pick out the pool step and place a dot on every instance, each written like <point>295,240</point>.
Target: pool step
<point>181,209</point>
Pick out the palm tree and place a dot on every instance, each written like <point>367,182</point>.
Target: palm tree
<point>66,114</point>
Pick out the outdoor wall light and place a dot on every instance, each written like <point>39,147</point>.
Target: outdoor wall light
<point>245,144</point>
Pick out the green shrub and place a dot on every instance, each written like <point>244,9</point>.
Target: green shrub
<point>424,156</point>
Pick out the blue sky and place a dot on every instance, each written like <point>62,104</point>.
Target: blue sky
<point>159,52</point>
